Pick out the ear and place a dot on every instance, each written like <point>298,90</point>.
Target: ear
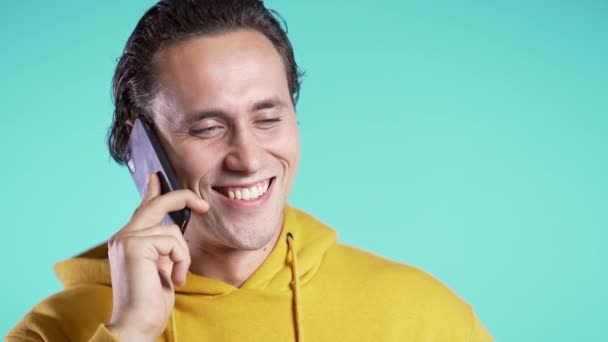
<point>129,126</point>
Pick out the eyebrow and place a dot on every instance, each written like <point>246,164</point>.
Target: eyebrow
<point>268,103</point>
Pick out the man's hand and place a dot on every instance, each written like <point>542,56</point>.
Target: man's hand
<point>146,260</point>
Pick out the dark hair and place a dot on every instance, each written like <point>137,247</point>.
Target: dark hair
<point>170,21</point>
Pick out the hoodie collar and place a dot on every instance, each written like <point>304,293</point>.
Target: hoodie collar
<point>312,240</point>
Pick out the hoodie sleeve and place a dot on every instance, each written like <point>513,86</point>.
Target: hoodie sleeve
<point>479,332</point>
<point>39,328</point>
<point>35,327</point>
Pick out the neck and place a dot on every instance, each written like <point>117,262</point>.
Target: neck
<point>232,266</point>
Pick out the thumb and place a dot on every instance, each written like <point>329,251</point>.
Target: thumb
<point>153,188</point>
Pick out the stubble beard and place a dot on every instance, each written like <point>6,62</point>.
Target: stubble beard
<point>247,234</point>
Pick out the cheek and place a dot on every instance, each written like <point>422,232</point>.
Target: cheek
<point>290,158</point>
<point>194,162</point>
<point>295,149</point>
<point>288,148</point>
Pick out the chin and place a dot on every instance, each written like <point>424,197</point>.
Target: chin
<point>255,232</point>
<point>249,233</point>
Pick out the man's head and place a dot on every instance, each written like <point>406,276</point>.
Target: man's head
<point>218,80</point>
<point>171,21</point>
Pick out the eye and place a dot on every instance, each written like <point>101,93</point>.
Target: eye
<point>207,132</point>
<point>267,123</point>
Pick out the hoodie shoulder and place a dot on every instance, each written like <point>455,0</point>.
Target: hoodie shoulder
<point>351,265</point>
<point>395,291</point>
<point>376,268</point>
<point>395,278</point>
<point>73,314</point>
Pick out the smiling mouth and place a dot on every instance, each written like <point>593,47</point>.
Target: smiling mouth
<point>249,193</point>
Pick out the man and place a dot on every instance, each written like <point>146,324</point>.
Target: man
<point>218,81</point>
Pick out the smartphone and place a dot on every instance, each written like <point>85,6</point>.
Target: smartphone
<point>145,155</point>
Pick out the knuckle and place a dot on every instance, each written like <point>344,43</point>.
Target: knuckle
<point>175,230</point>
<point>114,240</point>
<point>122,243</point>
<point>129,243</point>
<point>174,241</point>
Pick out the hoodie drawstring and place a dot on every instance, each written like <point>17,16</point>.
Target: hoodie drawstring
<point>173,327</point>
<point>295,286</point>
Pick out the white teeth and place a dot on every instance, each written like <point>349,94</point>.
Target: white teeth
<point>250,193</point>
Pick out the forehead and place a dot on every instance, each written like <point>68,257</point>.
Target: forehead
<point>228,70</point>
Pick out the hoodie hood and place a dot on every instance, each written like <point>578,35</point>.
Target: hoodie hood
<point>310,241</point>
<point>309,287</point>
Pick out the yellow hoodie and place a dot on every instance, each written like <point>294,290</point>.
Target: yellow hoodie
<point>309,289</point>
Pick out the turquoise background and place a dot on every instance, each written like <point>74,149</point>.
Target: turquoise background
<point>466,138</point>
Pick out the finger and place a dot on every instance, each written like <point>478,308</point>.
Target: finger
<point>152,190</point>
<point>177,254</point>
<point>164,245</point>
<point>153,187</point>
<point>170,257</point>
<point>179,272</point>
<point>154,248</point>
<point>176,272</point>
<point>149,247</point>
<point>154,210</point>
<point>159,230</point>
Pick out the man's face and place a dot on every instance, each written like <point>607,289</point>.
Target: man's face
<point>226,120</point>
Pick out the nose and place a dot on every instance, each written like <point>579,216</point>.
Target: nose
<point>245,153</point>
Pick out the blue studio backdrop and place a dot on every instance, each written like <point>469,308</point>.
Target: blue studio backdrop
<point>467,138</point>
